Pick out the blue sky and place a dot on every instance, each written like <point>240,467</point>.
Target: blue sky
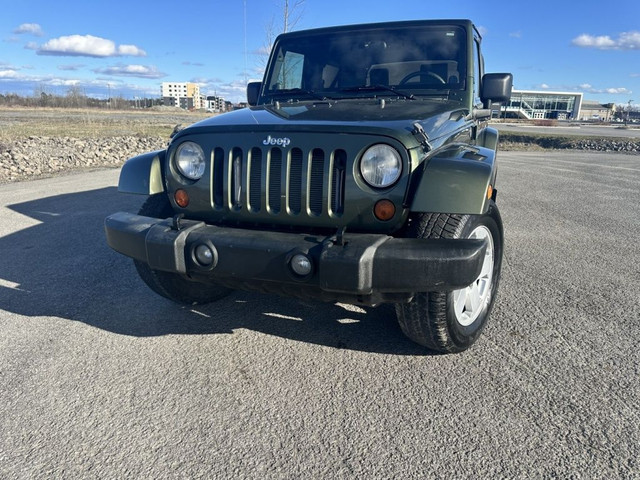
<point>129,47</point>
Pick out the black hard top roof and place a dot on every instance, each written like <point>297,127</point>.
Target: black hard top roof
<point>380,26</point>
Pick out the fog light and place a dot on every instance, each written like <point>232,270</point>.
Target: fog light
<point>301,264</point>
<point>204,255</point>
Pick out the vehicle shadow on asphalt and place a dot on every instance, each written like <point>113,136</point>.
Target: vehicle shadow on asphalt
<point>62,267</point>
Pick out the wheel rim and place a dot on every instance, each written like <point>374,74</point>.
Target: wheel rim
<point>470,302</point>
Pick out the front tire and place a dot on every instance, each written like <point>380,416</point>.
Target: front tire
<point>172,285</point>
<point>452,321</point>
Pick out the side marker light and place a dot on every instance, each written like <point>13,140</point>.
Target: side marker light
<point>384,210</point>
<point>182,198</point>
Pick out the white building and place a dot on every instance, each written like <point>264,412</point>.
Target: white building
<point>216,104</point>
<point>184,95</point>
<point>597,112</point>
<point>531,104</point>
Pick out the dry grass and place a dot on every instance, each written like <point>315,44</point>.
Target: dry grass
<point>20,122</point>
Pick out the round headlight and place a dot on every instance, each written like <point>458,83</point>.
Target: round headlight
<point>381,166</point>
<point>190,160</point>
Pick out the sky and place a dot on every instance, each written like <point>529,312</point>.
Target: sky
<point>128,48</point>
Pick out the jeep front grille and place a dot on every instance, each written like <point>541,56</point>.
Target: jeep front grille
<point>278,181</point>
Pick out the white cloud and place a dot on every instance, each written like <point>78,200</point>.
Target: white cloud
<point>64,82</point>
<point>79,45</point>
<point>588,88</point>
<point>30,28</point>
<point>517,34</point>
<point>625,41</point>
<point>131,51</point>
<point>87,46</point>
<point>140,71</point>
<point>11,74</point>
<point>12,80</point>
<point>629,40</point>
<point>619,91</point>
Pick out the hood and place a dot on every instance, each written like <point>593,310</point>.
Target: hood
<point>386,117</point>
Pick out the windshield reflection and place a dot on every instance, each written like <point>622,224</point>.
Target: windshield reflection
<point>402,62</point>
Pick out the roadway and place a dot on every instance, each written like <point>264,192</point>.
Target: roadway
<point>101,378</point>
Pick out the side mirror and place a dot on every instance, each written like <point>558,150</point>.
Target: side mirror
<point>496,87</point>
<point>253,93</point>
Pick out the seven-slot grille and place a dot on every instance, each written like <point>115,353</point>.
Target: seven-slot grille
<point>279,181</point>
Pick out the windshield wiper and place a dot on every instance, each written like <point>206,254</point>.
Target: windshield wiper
<point>290,92</point>
<point>377,88</point>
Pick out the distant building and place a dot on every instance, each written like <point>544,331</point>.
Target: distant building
<point>216,104</point>
<point>531,104</point>
<point>598,112</point>
<point>183,95</point>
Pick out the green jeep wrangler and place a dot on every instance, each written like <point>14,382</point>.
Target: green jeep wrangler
<point>363,172</point>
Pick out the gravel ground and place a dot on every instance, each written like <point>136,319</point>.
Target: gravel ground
<point>40,156</point>
<point>45,156</point>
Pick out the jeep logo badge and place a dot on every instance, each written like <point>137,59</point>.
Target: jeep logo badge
<point>281,142</point>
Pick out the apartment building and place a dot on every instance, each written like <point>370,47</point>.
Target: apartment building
<point>216,104</point>
<point>184,95</point>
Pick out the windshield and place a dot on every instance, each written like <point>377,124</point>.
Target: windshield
<point>405,61</point>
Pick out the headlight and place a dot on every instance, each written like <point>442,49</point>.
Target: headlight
<point>190,160</point>
<point>381,166</point>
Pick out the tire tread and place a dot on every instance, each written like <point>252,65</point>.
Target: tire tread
<point>425,319</point>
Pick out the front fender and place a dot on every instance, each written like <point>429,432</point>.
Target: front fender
<point>143,174</point>
<point>488,137</point>
<point>456,180</point>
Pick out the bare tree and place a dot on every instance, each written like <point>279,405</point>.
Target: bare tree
<point>76,97</point>
<point>292,11</point>
<point>291,14</point>
<point>41,97</point>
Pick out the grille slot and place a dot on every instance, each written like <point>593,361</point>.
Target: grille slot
<point>337,182</point>
<point>218,178</point>
<point>275,180</point>
<point>256,180</point>
<point>236,178</point>
<point>316,178</point>
<point>295,181</point>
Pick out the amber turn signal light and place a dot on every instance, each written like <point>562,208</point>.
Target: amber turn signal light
<point>182,198</point>
<point>384,210</point>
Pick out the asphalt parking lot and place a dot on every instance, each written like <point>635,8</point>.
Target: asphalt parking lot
<point>100,378</point>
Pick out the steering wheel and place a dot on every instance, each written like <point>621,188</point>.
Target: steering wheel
<point>420,73</point>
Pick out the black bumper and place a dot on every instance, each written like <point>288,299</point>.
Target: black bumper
<point>376,266</point>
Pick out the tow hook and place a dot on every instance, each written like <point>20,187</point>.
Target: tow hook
<point>338,238</point>
<point>177,219</point>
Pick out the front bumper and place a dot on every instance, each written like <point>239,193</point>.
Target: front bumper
<point>357,267</point>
